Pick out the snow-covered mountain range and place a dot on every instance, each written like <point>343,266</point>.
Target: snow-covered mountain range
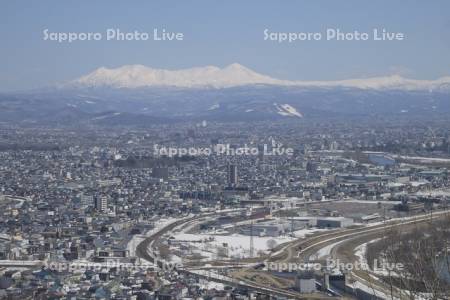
<point>136,76</point>
<point>139,95</point>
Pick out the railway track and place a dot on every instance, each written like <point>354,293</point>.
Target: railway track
<point>297,251</point>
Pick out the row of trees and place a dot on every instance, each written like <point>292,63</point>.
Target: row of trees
<point>423,252</point>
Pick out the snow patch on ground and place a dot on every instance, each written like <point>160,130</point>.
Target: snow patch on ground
<point>325,251</point>
<point>214,106</point>
<point>287,110</point>
<point>106,116</point>
<point>209,285</point>
<point>360,252</point>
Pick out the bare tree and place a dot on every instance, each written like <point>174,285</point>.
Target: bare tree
<point>164,251</point>
<point>271,244</point>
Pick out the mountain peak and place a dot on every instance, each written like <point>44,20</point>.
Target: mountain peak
<point>236,66</point>
<point>132,76</point>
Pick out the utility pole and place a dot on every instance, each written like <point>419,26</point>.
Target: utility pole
<point>251,240</point>
<point>292,225</point>
<point>431,213</point>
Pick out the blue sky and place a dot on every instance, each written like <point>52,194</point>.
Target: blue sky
<point>220,33</point>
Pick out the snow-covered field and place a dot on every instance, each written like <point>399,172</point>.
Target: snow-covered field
<point>235,245</point>
<point>214,246</point>
<point>434,193</point>
<point>371,201</point>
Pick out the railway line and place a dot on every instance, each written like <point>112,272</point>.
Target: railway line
<point>295,252</point>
